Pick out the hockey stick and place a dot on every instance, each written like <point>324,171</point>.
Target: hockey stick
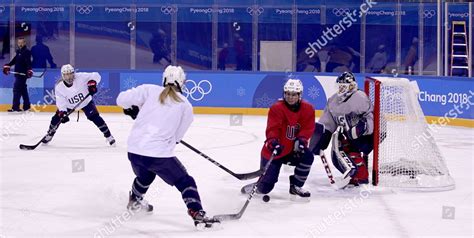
<point>238,215</point>
<point>335,183</point>
<point>34,76</point>
<point>32,147</point>
<point>245,176</point>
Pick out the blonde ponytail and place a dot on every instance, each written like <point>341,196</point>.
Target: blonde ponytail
<point>170,91</point>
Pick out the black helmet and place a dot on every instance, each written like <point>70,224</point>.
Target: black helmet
<point>346,77</point>
<point>346,84</point>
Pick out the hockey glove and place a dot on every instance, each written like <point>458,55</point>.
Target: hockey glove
<point>358,130</point>
<point>63,116</point>
<point>132,112</point>
<point>274,145</point>
<point>29,73</point>
<point>6,69</point>
<point>300,145</point>
<point>92,87</point>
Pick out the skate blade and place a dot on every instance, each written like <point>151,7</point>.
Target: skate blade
<point>141,211</point>
<point>296,198</point>
<point>210,226</point>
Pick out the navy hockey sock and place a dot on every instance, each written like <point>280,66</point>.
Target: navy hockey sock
<point>302,170</point>
<point>140,188</point>
<point>187,187</point>
<point>100,123</point>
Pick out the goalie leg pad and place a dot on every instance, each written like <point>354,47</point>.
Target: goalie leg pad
<point>343,163</point>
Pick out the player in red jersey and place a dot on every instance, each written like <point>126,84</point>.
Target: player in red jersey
<point>290,125</point>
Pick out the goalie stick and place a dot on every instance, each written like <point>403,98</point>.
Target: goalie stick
<point>238,215</point>
<point>34,76</point>
<point>32,147</point>
<point>336,183</point>
<point>244,176</point>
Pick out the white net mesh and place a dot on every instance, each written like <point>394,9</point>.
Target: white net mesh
<point>408,155</point>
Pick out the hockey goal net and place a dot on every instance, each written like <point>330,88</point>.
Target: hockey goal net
<point>405,153</point>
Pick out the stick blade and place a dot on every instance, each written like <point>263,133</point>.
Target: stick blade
<point>28,147</point>
<point>248,176</point>
<point>227,217</point>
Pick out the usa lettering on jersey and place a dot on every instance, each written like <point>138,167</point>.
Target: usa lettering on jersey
<point>292,131</point>
<point>77,98</point>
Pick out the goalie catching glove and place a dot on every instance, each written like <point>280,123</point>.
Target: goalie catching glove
<point>356,131</point>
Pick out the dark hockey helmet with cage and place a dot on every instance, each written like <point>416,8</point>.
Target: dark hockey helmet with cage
<point>346,77</point>
<point>346,83</point>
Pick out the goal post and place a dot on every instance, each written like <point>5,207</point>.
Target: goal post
<point>405,153</point>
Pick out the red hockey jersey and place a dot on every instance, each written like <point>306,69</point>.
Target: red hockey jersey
<point>286,125</point>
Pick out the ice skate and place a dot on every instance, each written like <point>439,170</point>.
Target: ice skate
<point>202,222</point>
<point>110,140</point>
<point>136,204</point>
<point>299,194</point>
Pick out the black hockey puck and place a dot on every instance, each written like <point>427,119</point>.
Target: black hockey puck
<point>266,198</point>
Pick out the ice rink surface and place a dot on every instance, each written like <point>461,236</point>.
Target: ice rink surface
<point>77,186</point>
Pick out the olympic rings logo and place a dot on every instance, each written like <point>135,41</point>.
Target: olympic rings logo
<point>169,9</point>
<point>429,13</point>
<point>340,11</point>
<point>196,91</point>
<point>84,9</point>
<point>256,10</point>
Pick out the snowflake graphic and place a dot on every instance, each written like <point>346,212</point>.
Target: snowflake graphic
<point>241,91</point>
<point>264,101</point>
<point>313,92</point>
<point>102,97</point>
<point>129,83</point>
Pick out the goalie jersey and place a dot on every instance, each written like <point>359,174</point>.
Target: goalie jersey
<point>353,108</point>
<point>69,97</point>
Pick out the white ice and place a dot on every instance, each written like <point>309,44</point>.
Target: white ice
<point>41,196</point>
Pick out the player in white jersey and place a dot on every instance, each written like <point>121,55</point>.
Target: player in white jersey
<point>73,89</point>
<point>163,115</point>
<point>351,113</point>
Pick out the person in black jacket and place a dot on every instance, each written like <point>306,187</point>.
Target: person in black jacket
<point>22,62</point>
<point>41,54</point>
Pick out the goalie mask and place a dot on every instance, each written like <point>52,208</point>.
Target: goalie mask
<point>346,85</point>
<point>67,73</point>
<point>292,91</point>
<point>174,76</point>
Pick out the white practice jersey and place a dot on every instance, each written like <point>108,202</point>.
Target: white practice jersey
<point>69,97</point>
<point>356,106</point>
<point>158,126</point>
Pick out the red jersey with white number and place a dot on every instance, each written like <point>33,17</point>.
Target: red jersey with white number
<point>286,125</point>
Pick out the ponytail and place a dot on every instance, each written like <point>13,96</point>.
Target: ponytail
<point>170,91</point>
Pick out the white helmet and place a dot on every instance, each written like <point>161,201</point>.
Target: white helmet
<point>174,75</point>
<point>67,73</point>
<point>293,85</point>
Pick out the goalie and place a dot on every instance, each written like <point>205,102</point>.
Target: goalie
<point>349,115</point>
